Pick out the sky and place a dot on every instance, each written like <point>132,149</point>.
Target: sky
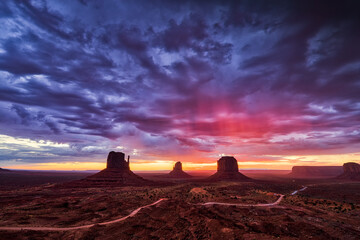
<point>273,83</point>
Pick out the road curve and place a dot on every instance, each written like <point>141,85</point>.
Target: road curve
<point>246,205</point>
<point>300,190</point>
<point>133,213</point>
<point>277,202</point>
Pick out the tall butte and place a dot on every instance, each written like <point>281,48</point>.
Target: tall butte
<point>228,170</point>
<point>117,172</point>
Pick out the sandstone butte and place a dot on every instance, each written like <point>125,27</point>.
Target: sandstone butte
<point>178,172</point>
<point>351,171</point>
<point>228,170</point>
<point>117,172</point>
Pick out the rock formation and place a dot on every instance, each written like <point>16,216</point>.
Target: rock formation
<point>351,171</point>
<point>4,170</point>
<point>177,172</point>
<point>116,160</point>
<point>227,170</point>
<point>315,171</point>
<point>117,172</point>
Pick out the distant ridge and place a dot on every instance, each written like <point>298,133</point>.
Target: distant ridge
<point>316,171</point>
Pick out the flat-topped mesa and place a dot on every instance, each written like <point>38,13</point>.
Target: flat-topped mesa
<point>351,171</point>
<point>116,160</point>
<point>351,167</point>
<point>227,164</point>
<point>227,170</point>
<point>315,171</point>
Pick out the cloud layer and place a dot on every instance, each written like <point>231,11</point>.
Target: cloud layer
<point>192,80</point>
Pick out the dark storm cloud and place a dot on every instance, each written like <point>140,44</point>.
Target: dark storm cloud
<point>27,118</point>
<point>180,74</point>
<point>182,35</point>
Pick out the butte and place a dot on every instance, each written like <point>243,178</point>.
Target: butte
<point>177,172</point>
<point>116,173</point>
<point>227,170</point>
<point>351,171</point>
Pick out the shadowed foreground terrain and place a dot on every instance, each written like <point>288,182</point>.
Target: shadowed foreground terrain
<point>324,210</point>
<point>15,179</point>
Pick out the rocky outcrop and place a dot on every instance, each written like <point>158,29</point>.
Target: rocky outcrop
<point>177,172</point>
<point>227,164</point>
<point>352,168</point>
<point>177,166</point>
<point>351,171</point>
<point>4,170</point>
<point>117,172</point>
<point>116,160</point>
<point>315,171</point>
<point>227,170</point>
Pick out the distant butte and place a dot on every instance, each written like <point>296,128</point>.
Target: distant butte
<point>351,171</point>
<point>177,172</point>
<point>227,170</point>
<point>117,172</point>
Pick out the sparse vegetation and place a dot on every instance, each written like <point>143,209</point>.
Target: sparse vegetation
<point>298,215</point>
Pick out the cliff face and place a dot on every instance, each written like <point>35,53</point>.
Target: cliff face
<point>316,171</point>
<point>351,171</point>
<point>177,166</point>
<point>352,168</point>
<point>227,164</point>
<point>116,160</point>
<point>227,170</point>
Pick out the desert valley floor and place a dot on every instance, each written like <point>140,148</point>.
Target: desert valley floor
<point>268,207</point>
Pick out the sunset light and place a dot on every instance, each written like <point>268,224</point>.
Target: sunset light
<point>185,86</point>
<point>180,119</point>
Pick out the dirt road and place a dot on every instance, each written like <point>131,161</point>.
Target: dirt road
<point>133,213</point>
<point>300,190</point>
<point>247,205</point>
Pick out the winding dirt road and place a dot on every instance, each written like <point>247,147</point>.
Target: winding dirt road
<point>255,205</point>
<point>246,205</point>
<point>133,213</point>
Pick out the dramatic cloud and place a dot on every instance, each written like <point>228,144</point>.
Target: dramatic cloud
<point>190,80</point>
